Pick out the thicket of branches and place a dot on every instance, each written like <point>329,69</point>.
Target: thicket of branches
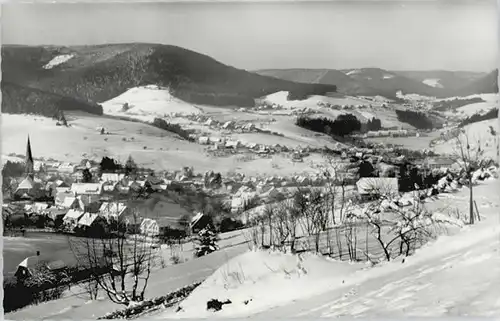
<point>416,119</point>
<point>343,125</point>
<point>333,221</point>
<point>118,266</point>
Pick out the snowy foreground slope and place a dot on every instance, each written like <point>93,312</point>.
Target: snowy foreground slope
<point>456,275</point>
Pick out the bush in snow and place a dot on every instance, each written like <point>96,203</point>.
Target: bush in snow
<point>205,242</point>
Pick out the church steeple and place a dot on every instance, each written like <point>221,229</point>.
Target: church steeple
<point>29,164</point>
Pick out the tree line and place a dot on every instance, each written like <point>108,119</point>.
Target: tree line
<point>174,128</point>
<point>343,125</point>
<point>23,100</point>
<point>417,119</point>
<point>491,114</point>
<point>374,124</point>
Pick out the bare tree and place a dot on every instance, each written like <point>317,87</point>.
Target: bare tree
<point>469,155</point>
<point>407,227</point>
<point>120,265</point>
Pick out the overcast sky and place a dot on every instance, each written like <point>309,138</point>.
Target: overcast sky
<point>397,35</point>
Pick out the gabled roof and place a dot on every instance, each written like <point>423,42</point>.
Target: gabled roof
<point>68,201</point>
<point>87,188</point>
<point>26,183</point>
<point>87,219</point>
<point>112,209</point>
<point>73,214</point>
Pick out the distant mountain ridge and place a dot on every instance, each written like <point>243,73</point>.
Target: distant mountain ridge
<point>376,81</point>
<point>101,72</point>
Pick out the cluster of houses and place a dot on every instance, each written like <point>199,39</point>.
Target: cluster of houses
<point>389,133</point>
<point>82,205</point>
<point>227,125</point>
<point>267,106</point>
<point>342,107</point>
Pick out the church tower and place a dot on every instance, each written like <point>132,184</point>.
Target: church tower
<point>29,164</point>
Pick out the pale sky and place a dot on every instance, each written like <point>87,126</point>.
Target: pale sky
<point>397,35</point>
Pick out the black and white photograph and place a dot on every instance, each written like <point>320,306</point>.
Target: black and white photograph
<point>250,159</point>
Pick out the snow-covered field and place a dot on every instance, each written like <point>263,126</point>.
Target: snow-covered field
<point>413,97</point>
<point>280,98</point>
<point>454,275</point>
<point>241,280</point>
<point>146,103</point>
<point>491,101</point>
<point>486,97</point>
<point>163,149</point>
<point>58,60</point>
<point>476,131</point>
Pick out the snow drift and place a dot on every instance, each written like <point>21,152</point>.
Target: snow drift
<point>56,61</point>
<point>241,281</point>
<point>433,83</point>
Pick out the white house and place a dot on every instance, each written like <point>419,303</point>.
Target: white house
<point>112,177</point>
<point>112,210</point>
<point>72,216</point>
<point>66,168</point>
<point>149,227</point>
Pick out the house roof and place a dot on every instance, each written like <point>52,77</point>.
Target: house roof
<point>68,201</point>
<point>31,262</point>
<point>73,214</point>
<point>112,209</point>
<point>26,183</point>
<point>87,188</point>
<point>87,219</point>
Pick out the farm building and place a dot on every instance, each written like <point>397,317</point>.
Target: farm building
<point>112,177</point>
<point>158,208</point>
<point>29,265</point>
<point>72,216</point>
<point>437,162</point>
<point>89,192</point>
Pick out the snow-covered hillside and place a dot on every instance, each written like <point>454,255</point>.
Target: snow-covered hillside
<point>486,97</point>
<point>280,98</point>
<point>433,83</point>
<point>480,131</point>
<point>413,97</point>
<point>146,103</point>
<point>56,61</point>
<point>454,275</point>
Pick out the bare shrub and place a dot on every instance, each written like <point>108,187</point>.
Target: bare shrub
<point>120,265</point>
